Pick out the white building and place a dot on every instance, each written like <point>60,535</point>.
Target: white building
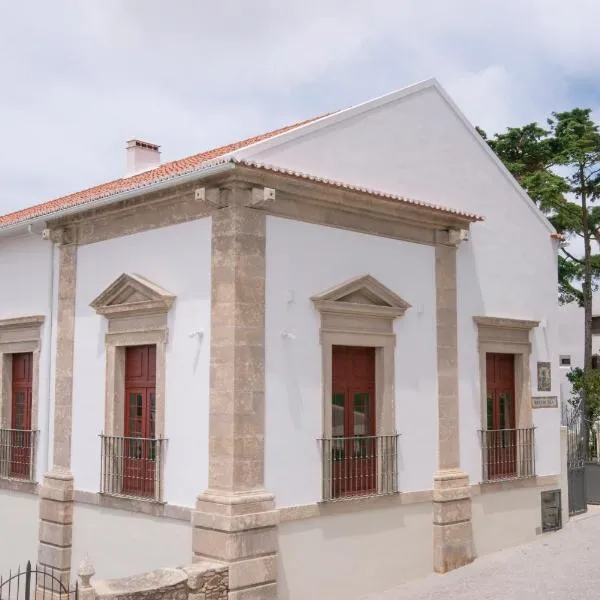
<point>280,355</point>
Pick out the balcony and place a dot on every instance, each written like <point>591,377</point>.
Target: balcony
<point>133,467</point>
<point>508,454</point>
<point>17,454</point>
<point>359,466</point>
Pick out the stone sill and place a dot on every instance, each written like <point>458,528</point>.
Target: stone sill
<point>504,485</point>
<point>24,486</point>
<point>352,504</point>
<point>138,505</point>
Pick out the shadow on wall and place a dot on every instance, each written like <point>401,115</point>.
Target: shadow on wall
<point>505,519</point>
<point>355,553</point>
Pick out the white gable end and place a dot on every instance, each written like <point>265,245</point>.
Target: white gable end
<point>414,144</point>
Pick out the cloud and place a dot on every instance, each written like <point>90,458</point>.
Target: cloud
<point>81,78</point>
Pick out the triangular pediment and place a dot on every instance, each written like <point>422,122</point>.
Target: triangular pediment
<point>362,294</point>
<point>131,293</point>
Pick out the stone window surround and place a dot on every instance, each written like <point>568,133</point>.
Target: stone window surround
<point>136,311</point>
<point>507,336</point>
<point>17,335</point>
<point>361,312</point>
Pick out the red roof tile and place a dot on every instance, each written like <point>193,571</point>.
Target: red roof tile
<point>164,171</point>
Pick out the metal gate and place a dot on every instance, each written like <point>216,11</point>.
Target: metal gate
<point>37,584</point>
<point>576,459</point>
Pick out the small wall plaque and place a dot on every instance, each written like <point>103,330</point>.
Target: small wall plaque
<point>551,510</point>
<point>544,402</point>
<point>544,377</point>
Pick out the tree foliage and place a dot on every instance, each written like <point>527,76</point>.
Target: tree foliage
<point>559,167</point>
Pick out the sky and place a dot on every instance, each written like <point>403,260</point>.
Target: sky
<point>78,79</point>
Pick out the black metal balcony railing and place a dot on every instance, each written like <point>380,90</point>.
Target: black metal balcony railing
<point>132,466</point>
<point>508,454</point>
<point>17,453</point>
<point>359,466</point>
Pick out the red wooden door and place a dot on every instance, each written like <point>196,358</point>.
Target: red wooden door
<point>139,447</point>
<point>502,435</point>
<point>354,446</point>
<point>21,435</point>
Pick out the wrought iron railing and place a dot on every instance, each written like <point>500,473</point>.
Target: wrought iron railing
<point>508,454</point>
<point>17,453</point>
<point>359,466</point>
<point>36,583</point>
<point>133,466</point>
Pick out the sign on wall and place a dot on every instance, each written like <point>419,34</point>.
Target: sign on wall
<point>544,402</point>
<point>544,377</point>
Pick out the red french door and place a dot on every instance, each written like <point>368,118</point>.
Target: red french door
<point>501,433</point>
<point>354,451</point>
<point>139,447</point>
<point>21,434</point>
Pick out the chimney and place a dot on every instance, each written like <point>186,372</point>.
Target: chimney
<point>141,156</point>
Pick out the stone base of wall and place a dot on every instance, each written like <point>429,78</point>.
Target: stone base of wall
<point>201,581</point>
<point>452,530</point>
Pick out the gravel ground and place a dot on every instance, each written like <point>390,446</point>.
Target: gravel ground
<point>558,566</point>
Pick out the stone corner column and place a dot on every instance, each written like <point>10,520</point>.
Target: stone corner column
<point>240,531</point>
<point>235,520</point>
<point>56,527</point>
<point>57,490</point>
<point>452,529</point>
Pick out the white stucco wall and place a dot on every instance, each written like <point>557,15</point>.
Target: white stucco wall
<point>571,339</point>
<point>349,556</point>
<point>19,522</point>
<point>121,543</point>
<point>304,260</point>
<point>417,146</point>
<point>177,259</point>
<point>25,290</point>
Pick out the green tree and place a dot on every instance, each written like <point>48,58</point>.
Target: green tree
<point>559,167</point>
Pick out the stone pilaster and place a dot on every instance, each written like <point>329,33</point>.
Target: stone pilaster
<point>452,531</point>
<point>56,526</point>
<point>56,493</point>
<point>235,521</point>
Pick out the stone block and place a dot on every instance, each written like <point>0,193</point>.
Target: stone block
<point>452,546</point>
<point>57,534</point>
<point>452,511</point>
<point>56,511</point>
<point>225,546</point>
<point>54,556</point>
<point>262,592</point>
<point>256,571</point>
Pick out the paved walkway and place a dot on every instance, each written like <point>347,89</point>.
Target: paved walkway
<point>556,566</point>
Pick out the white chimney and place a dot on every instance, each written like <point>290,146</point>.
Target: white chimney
<point>141,156</point>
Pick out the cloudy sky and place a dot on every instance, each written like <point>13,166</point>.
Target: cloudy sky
<point>79,78</point>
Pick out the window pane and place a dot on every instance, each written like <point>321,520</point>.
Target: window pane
<point>490,412</point>
<point>135,414</point>
<point>505,417</point>
<point>362,416</point>
<point>337,414</point>
<point>19,408</point>
<point>152,400</point>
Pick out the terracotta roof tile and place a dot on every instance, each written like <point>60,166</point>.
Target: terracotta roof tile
<point>355,188</point>
<point>164,171</point>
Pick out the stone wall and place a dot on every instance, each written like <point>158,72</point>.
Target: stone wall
<point>201,581</point>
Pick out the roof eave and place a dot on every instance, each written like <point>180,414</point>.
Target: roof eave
<point>203,172</point>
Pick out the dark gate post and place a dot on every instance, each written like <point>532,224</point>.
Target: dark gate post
<point>28,581</point>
